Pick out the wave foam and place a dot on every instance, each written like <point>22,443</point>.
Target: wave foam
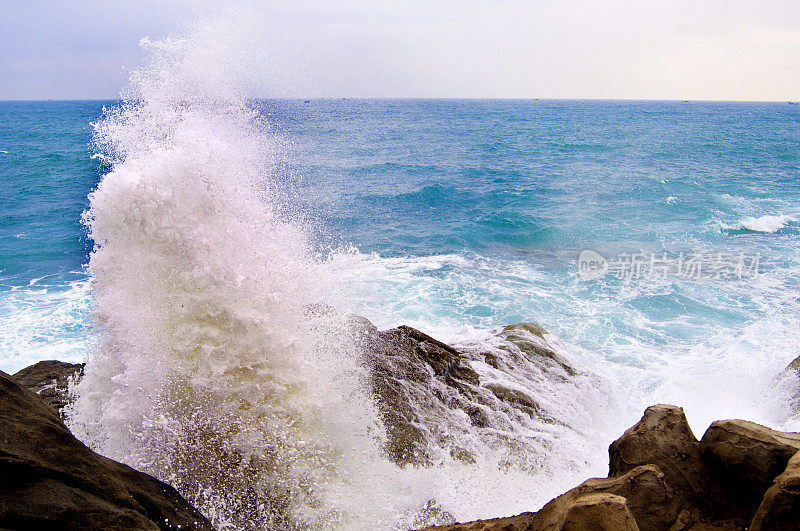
<point>768,224</point>
<point>44,320</point>
<point>209,373</point>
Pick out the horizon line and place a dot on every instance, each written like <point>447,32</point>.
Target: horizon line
<point>427,98</point>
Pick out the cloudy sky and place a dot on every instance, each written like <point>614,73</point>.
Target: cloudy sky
<point>630,49</point>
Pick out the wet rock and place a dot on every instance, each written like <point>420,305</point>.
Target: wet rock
<point>431,395</point>
<point>745,458</point>
<point>50,380</point>
<point>529,338</point>
<point>789,379</point>
<point>780,507</point>
<point>533,328</point>
<point>50,480</point>
<point>413,375</point>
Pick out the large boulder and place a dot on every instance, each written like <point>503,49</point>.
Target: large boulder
<point>745,459</point>
<point>643,491</point>
<point>50,480</point>
<point>663,438</point>
<point>662,478</point>
<point>413,375</point>
<point>438,399</point>
<point>50,380</point>
<point>780,507</point>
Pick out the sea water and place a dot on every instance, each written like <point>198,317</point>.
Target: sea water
<point>219,220</point>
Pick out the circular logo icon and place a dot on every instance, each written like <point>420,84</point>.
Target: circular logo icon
<point>591,265</point>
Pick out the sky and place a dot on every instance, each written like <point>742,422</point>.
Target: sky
<point>611,49</point>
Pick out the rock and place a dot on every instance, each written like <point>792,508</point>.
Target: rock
<point>648,496</point>
<point>747,457</point>
<point>529,338</point>
<point>600,512</point>
<point>49,479</point>
<point>50,380</point>
<point>662,478</point>
<point>789,379</point>
<point>649,499</point>
<point>780,508</point>
<point>413,374</point>
<point>432,396</point>
<point>663,438</point>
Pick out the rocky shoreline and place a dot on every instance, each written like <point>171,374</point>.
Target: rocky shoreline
<point>50,480</point>
<point>739,475</point>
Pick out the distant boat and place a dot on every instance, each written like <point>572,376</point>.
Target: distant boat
<point>792,102</point>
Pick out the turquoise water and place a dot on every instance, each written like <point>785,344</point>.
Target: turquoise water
<point>460,216</point>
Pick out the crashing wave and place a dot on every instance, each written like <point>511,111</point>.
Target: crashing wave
<point>768,224</point>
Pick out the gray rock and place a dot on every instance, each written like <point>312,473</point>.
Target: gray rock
<point>431,396</point>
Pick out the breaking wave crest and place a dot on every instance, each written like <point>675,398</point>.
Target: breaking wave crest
<point>769,224</point>
<point>220,369</point>
<point>210,372</point>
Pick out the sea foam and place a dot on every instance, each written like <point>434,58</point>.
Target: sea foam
<point>769,224</point>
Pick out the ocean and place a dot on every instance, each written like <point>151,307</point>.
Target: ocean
<point>658,242</point>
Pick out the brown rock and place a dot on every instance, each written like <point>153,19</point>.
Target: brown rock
<point>649,499</point>
<point>50,380</point>
<point>50,480</point>
<point>600,512</point>
<point>780,508</point>
<point>521,522</point>
<point>745,458</point>
<point>662,478</point>
<point>663,438</point>
<point>649,505</point>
